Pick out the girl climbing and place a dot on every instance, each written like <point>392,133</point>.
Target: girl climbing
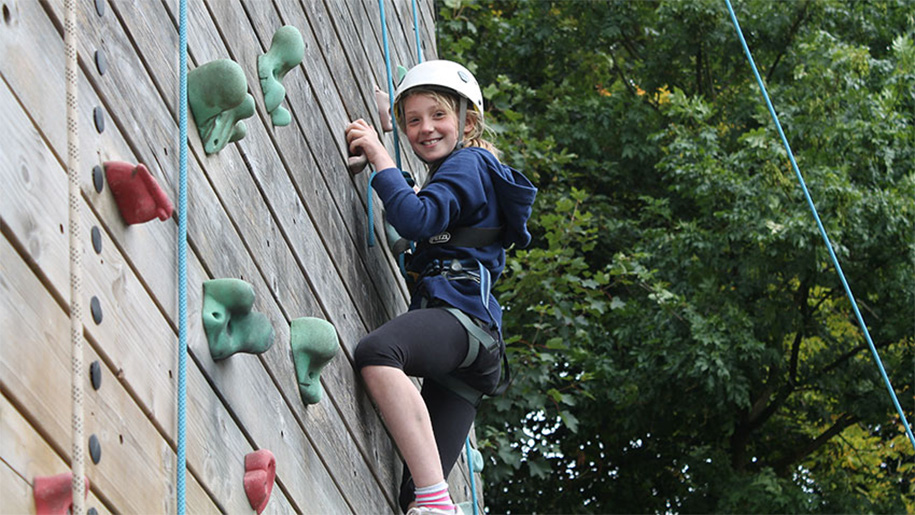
<point>470,209</point>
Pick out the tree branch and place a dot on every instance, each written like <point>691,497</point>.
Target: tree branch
<point>792,32</point>
<point>850,354</point>
<point>760,412</point>
<point>628,84</point>
<point>782,466</point>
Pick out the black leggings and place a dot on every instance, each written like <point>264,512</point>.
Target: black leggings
<point>431,343</point>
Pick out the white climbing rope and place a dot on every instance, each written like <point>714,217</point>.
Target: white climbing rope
<point>76,308</point>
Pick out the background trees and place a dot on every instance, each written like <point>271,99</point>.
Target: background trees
<point>679,337</point>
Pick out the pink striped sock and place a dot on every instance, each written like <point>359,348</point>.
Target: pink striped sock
<point>435,496</point>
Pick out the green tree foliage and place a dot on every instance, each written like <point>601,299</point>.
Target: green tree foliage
<point>679,337</point>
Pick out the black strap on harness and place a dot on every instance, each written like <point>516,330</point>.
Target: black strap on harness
<point>477,339</point>
<point>468,237</point>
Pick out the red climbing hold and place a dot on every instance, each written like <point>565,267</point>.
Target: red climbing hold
<point>260,472</point>
<point>136,192</point>
<point>54,494</point>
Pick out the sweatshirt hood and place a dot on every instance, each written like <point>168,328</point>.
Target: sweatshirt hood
<point>516,198</point>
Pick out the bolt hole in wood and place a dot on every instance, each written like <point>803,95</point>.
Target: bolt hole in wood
<point>6,14</point>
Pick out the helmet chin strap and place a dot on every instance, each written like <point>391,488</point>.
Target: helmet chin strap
<point>462,117</point>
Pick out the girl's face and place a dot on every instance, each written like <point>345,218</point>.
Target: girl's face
<point>431,127</point>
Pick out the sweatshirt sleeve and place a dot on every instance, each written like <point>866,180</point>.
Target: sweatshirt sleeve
<point>455,189</point>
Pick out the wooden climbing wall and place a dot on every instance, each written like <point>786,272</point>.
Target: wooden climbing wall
<point>277,209</point>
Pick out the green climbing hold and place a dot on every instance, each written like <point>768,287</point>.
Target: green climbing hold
<point>314,343</point>
<point>286,52</point>
<point>217,93</point>
<point>476,459</point>
<point>401,73</point>
<point>397,243</point>
<point>229,323</point>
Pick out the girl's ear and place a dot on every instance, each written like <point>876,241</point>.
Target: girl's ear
<point>468,124</point>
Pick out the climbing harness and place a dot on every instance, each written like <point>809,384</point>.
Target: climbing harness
<point>457,269</point>
<point>76,306</point>
<point>816,216</point>
<point>182,257</point>
<point>478,331</point>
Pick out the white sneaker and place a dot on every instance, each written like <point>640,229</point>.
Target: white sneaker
<point>424,510</point>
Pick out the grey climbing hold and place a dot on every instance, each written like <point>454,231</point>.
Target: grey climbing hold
<point>101,63</point>
<point>95,375</point>
<point>98,178</point>
<point>95,306</point>
<point>95,449</point>
<point>99,117</point>
<point>96,239</point>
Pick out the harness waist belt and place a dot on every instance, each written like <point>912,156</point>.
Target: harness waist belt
<point>468,237</point>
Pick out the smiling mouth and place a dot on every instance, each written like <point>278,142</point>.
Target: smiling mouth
<point>430,142</point>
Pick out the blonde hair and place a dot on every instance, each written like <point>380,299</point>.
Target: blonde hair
<point>451,103</point>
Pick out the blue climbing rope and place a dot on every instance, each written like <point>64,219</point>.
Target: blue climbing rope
<point>182,254</point>
<point>387,65</point>
<point>473,483</point>
<point>816,216</point>
<point>419,48</point>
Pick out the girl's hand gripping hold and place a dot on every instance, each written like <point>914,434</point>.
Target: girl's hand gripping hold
<point>361,139</point>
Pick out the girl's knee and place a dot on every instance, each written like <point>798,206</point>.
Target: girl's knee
<point>372,350</point>
<point>363,353</point>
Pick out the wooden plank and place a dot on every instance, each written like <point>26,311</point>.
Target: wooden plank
<point>366,18</point>
<point>267,168</point>
<point>133,474</point>
<point>223,226</point>
<point>284,356</point>
<point>345,387</point>
<point>43,94</point>
<point>380,267</point>
<point>16,492</point>
<point>24,455</point>
<point>39,228</point>
<point>155,152</point>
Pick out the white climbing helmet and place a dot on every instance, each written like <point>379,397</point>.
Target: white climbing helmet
<point>441,74</point>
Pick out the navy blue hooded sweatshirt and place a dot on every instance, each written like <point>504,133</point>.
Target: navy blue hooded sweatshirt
<point>470,188</point>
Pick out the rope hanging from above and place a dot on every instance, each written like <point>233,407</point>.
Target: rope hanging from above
<point>387,65</point>
<point>182,258</point>
<point>77,464</point>
<point>419,47</point>
<point>816,216</point>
